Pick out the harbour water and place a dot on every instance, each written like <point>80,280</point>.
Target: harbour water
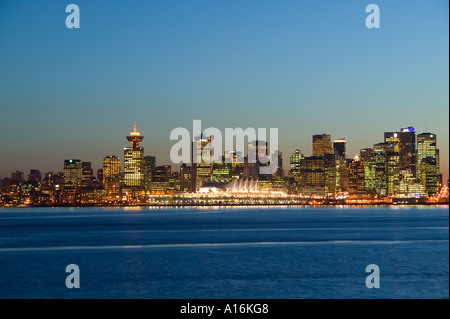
<point>219,252</point>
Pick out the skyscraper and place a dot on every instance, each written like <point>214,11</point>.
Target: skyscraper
<point>428,162</point>
<point>322,145</point>
<point>340,156</point>
<point>111,168</point>
<point>356,178</point>
<point>294,172</point>
<point>387,168</point>
<point>367,156</point>
<point>340,148</point>
<point>87,173</point>
<point>72,173</point>
<point>406,148</point>
<point>201,161</point>
<point>133,161</point>
<point>318,176</point>
<point>149,170</point>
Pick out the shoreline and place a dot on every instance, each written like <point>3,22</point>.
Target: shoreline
<point>226,205</point>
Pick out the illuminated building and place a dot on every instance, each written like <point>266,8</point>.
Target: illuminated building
<point>294,172</point>
<point>202,165</point>
<point>340,155</point>
<point>237,164</point>
<point>406,148</point>
<point>380,150</point>
<point>185,178</point>
<point>318,176</point>
<point>295,161</point>
<point>356,177</point>
<point>387,167</point>
<point>367,156</point>
<point>426,147</point>
<point>133,161</point>
<point>429,175</point>
<point>72,173</point>
<point>221,171</point>
<point>111,168</point>
<point>408,188</point>
<point>340,148</point>
<point>53,181</point>
<point>87,173</point>
<point>322,145</point>
<point>162,180</point>
<point>149,170</point>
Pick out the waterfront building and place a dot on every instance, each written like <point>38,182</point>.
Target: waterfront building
<point>322,145</point>
<point>72,173</point>
<point>111,168</point>
<point>133,159</point>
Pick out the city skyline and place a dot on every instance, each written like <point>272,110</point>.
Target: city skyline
<point>136,136</point>
<point>305,68</point>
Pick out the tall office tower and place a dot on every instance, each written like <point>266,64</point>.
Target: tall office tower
<point>111,168</point>
<point>294,172</point>
<point>356,177</point>
<point>72,173</point>
<point>340,155</point>
<point>387,168</point>
<point>407,148</point>
<point>429,175</point>
<point>87,173</point>
<point>322,145</point>
<point>312,180</point>
<point>35,176</point>
<point>428,162</point>
<point>380,150</point>
<point>426,147</point>
<point>149,169</point>
<point>317,176</point>
<point>17,176</point>
<point>133,161</point>
<point>185,177</point>
<point>340,148</point>
<point>201,162</point>
<point>367,156</point>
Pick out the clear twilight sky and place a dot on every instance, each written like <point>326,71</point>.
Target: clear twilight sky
<point>305,67</point>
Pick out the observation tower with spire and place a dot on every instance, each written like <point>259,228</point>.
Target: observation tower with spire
<point>135,137</point>
<point>133,160</point>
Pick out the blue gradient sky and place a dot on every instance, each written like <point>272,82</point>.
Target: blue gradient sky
<point>305,67</point>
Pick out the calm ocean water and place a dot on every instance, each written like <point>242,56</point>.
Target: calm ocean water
<point>260,252</point>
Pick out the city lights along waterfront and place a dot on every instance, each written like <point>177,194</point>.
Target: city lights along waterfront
<point>404,168</point>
